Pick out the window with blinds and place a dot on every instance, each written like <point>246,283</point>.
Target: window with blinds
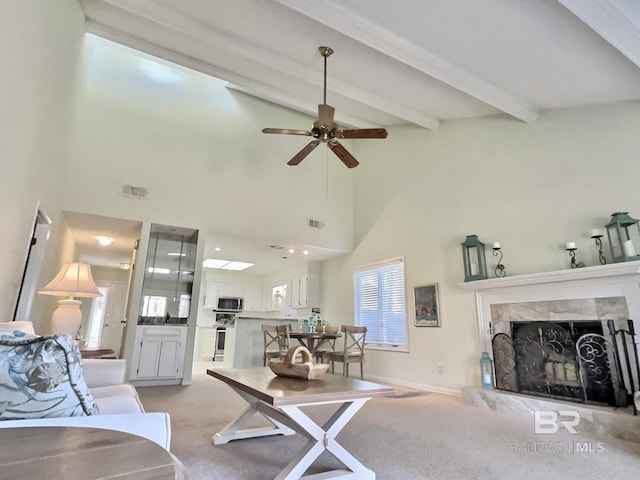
<point>380,303</point>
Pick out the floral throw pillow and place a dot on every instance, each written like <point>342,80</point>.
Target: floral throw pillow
<point>41,377</point>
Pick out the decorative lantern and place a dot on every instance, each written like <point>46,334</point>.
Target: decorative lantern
<point>624,237</point>
<point>486,371</point>
<point>475,266</point>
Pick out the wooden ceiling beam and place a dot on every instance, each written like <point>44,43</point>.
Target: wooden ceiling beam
<point>613,21</point>
<point>349,23</point>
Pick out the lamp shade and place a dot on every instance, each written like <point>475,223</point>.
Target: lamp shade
<point>73,280</point>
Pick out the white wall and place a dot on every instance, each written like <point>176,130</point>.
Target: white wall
<point>197,147</point>
<point>532,187</point>
<point>40,44</point>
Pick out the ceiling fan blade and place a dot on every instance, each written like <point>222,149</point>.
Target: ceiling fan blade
<point>304,152</point>
<point>325,114</point>
<point>362,133</point>
<point>287,131</point>
<point>342,153</point>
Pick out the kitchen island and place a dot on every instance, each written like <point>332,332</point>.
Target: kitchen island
<point>249,343</point>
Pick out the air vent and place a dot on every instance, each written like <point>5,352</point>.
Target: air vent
<point>137,192</point>
<point>275,247</point>
<point>313,223</point>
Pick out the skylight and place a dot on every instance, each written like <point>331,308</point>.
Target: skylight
<point>226,264</point>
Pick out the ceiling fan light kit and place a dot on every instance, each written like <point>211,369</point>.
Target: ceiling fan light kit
<point>326,131</point>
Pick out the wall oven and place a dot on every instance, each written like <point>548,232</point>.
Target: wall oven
<point>223,320</point>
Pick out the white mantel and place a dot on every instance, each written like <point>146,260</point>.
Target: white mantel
<point>602,281</point>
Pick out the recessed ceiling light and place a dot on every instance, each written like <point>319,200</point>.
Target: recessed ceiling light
<point>291,250</point>
<point>176,254</point>
<point>104,241</point>
<point>125,265</point>
<point>217,249</point>
<point>305,252</point>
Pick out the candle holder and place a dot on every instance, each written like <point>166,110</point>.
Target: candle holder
<point>572,253</point>
<point>499,271</point>
<point>597,237</point>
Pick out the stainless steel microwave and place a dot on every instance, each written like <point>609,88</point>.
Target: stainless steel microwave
<point>230,304</point>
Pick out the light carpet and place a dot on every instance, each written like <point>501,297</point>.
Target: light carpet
<point>409,435</point>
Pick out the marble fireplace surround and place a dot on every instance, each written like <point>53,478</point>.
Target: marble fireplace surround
<point>590,293</point>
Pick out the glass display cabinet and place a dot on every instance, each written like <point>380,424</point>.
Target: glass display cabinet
<point>168,276</point>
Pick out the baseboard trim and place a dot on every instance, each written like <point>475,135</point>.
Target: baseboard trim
<point>415,386</point>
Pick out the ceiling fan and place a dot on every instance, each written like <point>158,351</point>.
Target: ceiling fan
<point>326,131</point>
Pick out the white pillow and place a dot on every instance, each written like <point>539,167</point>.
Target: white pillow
<point>22,325</point>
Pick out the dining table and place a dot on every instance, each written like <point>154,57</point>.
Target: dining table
<point>314,340</point>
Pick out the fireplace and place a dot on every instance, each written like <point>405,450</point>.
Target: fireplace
<point>564,335</point>
<point>570,360</point>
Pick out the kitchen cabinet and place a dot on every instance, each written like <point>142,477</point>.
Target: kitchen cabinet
<point>252,295</point>
<point>304,291</point>
<point>229,290</point>
<point>206,342</point>
<point>159,352</point>
<point>211,295</point>
<point>220,289</point>
<point>300,292</point>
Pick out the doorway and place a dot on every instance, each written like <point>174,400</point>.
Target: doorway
<point>33,264</point>
<point>104,318</point>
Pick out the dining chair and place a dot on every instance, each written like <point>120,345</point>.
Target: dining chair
<point>276,341</point>
<point>324,347</point>
<point>353,351</point>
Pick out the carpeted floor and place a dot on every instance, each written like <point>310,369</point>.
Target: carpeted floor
<point>405,436</point>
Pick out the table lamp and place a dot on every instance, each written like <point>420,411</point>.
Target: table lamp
<point>73,280</point>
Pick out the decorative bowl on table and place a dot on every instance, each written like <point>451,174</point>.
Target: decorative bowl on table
<point>306,370</point>
<point>327,329</point>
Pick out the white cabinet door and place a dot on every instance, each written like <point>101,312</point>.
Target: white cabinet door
<point>304,291</point>
<point>211,295</point>
<point>207,337</point>
<point>303,297</point>
<point>169,361</point>
<point>159,353</point>
<point>149,356</point>
<point>294,292</point>
<point>229,290</point>
<point>218,289</point>
<point>252,298</point>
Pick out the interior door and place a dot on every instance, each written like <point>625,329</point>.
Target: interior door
<point>114,319</point>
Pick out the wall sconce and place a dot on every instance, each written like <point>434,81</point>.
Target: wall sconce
<point>624,235</point>
<point>73,280</point>
<point>475,266</point>
<point>597,237</point>
<point>499,271</point>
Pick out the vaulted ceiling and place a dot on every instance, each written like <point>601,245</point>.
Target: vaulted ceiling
<point>400,62</point>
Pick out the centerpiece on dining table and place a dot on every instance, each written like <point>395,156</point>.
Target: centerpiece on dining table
<point>306,370</point>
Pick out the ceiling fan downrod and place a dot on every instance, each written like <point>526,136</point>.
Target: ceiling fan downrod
<point>325,52</point>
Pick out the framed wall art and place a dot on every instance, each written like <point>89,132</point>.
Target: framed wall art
<point>427,305</point>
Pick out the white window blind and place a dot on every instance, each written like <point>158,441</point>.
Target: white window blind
<point>380,302</point>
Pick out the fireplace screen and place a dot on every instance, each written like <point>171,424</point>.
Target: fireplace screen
<point>571,360</point>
